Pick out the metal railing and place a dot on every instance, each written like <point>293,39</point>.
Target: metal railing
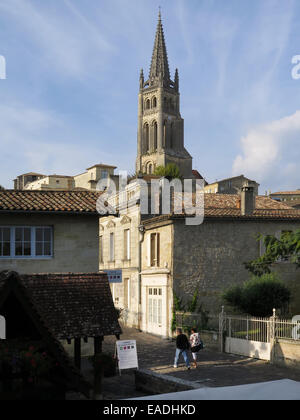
<point>287,329</point>
<point>247,328</point>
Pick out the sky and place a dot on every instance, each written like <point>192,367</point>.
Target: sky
<point>70,95</point>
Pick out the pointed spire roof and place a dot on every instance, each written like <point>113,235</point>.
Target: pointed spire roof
<point>159,64</point>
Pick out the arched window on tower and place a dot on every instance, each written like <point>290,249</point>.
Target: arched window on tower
<point>154,102</point>
<point>150,169</point>
<point>148,104</point>
<point>146,138</point>
<point>155,135</point>
<point>171,136</point>
<point>165,134</point>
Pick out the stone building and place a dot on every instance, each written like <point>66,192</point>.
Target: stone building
<point>292,198</point>
<point>51,182</point>
<point>22,180</point>
<point>49,231</point>
<point>87,180</point>
<point>160,126</point>
<point>231,185</point>
<point>208,258</point>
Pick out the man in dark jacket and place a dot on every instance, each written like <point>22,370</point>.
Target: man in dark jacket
<point>182,345</point>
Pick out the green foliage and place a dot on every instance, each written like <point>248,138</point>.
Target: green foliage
<point>169,171</point>
<point>192,307</point>
<point>193,304</point>
<point>259,296</point>
<point>287,247</point>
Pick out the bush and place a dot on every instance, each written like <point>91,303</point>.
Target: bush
<point>258,296</point>
<point>169,171</point>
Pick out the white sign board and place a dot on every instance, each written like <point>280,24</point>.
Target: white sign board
<point>114,276</point>
<point>127,354</point>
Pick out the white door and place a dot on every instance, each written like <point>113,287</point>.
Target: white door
<point>154,302</point>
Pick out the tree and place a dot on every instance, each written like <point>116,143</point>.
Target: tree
<point>169,171</point>
<point>286,247</point>
<point>259,295</point>
<point>2,188</point>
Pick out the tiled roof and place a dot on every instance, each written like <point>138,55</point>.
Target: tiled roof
<point>71,305</point>
<point>297,192</point>
<point>228,206</point>
<point>49,201</point>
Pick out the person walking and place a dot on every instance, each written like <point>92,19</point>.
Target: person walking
<point>182,345</point>
<point>195,342</point>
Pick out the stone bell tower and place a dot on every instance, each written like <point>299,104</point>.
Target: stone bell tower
<point>160,126</point>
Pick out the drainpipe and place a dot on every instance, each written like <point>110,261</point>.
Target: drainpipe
<point>141,240</point>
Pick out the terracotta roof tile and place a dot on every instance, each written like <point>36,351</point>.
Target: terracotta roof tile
<point>71,305</point>
<point>50,201</point>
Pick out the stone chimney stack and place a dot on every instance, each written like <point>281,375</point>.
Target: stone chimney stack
<point>247,200</point>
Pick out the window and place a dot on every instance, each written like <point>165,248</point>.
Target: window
<point>104,174</point>
<point>43,241</point>
<point>155,135</point>
<point>4,242</point>
<point>146,138</point>
<point>127,244</point>
<point>26,242</point>
<point>112,247</point>
<point>154,251</point>
<point>154,102</point>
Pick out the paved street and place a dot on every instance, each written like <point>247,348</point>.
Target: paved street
<point>214,369</point>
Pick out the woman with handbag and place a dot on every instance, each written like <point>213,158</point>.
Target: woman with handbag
<point>196,344</point>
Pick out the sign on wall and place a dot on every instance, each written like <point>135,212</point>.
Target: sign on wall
<point>127,354</point>
<point>2,328</point>
<point>114,276</point>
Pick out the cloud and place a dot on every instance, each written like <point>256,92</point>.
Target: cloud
<point>271,153</point>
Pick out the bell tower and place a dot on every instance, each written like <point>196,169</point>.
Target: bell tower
<point>160,126</point>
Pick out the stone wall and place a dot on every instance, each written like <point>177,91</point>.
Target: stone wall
<point>209,258</point>
<point>75,244</point>
<point>287,353</point>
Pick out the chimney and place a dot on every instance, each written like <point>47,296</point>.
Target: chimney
<point>247,200</point>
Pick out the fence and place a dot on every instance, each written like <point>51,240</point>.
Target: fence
<point>254,329</point>
<point>245,335</point>
<point>287,329</point>
<point>241,327</point>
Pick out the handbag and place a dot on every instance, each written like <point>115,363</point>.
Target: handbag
<point>198,348</point>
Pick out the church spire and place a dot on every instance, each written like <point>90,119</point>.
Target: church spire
<point>159,65</point>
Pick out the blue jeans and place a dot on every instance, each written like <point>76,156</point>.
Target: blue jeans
<point>185,356</point>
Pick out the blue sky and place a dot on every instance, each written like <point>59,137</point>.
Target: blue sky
<point>70,96</point>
